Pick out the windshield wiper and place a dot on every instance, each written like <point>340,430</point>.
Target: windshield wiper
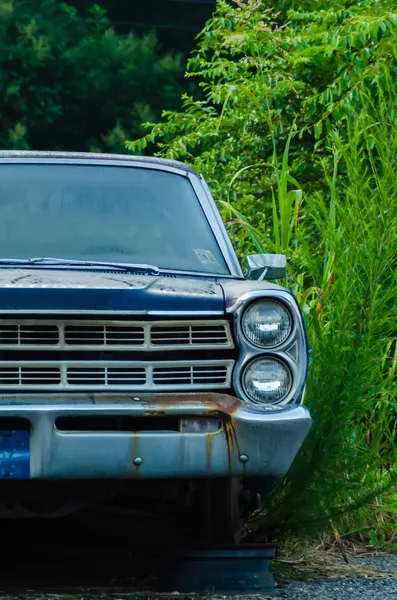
<point>43,260</point>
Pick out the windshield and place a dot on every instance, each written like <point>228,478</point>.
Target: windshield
<point>105,213</point>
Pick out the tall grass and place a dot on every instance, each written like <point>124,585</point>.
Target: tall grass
<point>342,249</point>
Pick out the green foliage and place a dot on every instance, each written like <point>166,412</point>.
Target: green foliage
<point>347,285</point>
<point>297,137</point>
<point>343,257</point>
<point>379,542</point>
<point>260,71</point>
<point>72,83</point>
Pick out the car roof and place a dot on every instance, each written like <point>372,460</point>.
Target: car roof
<point>84,157</point>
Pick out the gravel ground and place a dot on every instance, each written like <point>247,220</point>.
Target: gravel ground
<point>384,563</point>
<point>340,589</point>
<point>379,586</point>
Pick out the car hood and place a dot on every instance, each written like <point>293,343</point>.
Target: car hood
<point>64,290</point>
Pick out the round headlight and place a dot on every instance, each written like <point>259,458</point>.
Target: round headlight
<point>267,323</point>
<point>267,380</point>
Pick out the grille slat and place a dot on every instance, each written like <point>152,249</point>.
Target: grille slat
<point>127,336</point>
<point>119,375</point>
<point>28,335</point>
<point>190,335</point>
<point>104,335</point>
<point>106,375</point>
<point>191,375</point>
<point>30,376</point>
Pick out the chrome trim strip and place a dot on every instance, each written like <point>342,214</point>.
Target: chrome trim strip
<point>121,313</point>
<point>100,162</point>
<point>184,313</point>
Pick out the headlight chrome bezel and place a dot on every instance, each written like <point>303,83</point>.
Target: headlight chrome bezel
<point>266,347</point>
<point>267,357</point>
<point>293,351</point>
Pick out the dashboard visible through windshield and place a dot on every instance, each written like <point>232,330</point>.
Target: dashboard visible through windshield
<point>106,214</point>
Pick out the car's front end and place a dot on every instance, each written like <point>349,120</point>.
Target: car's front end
<point>124,372</point>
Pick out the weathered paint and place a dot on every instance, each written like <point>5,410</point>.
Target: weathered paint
<point>135,451</point>
<point>91,290</point>
<point>210,447</point>
<point>14,455</point>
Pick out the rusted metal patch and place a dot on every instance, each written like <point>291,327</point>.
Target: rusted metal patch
<point>155,404</point>
<point>210,446</point>
<point>233,448</point>
<point>223,403</point>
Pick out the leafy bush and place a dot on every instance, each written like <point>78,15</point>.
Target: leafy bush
<point>260,71</point>
<point>346,280</point>
<point>297,137</point>
<point>72,83</point>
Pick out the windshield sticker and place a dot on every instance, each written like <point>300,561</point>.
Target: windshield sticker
<point>206,257</point>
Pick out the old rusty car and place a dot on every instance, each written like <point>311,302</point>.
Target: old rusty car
<point>139,367</point>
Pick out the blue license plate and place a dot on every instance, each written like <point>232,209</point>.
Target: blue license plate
<point>14,455</point>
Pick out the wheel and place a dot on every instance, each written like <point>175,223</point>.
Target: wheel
<point>220,511</point>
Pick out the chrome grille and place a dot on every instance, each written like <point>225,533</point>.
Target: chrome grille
<point>209,375</point>
<point>119,375</point>
<point>104,335</point>
<point>130,335</point>
<point>106,376</point>
<point>12,376</point>
<point>189,335</point>
<point>28,335</point>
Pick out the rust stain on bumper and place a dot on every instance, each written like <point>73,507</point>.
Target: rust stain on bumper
<point>224,406</point>
<point>215,403</point>
<point>155,404</point>
<point>209,449</point>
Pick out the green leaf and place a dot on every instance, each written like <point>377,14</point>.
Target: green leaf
<point>318,128</point>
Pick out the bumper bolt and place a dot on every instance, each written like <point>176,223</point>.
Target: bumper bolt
<point>243,458</point>
<point>138,461</point>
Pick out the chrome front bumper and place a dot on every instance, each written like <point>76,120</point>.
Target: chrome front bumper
<point>249,443</point>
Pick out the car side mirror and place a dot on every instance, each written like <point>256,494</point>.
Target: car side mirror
<point>266,266</point>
